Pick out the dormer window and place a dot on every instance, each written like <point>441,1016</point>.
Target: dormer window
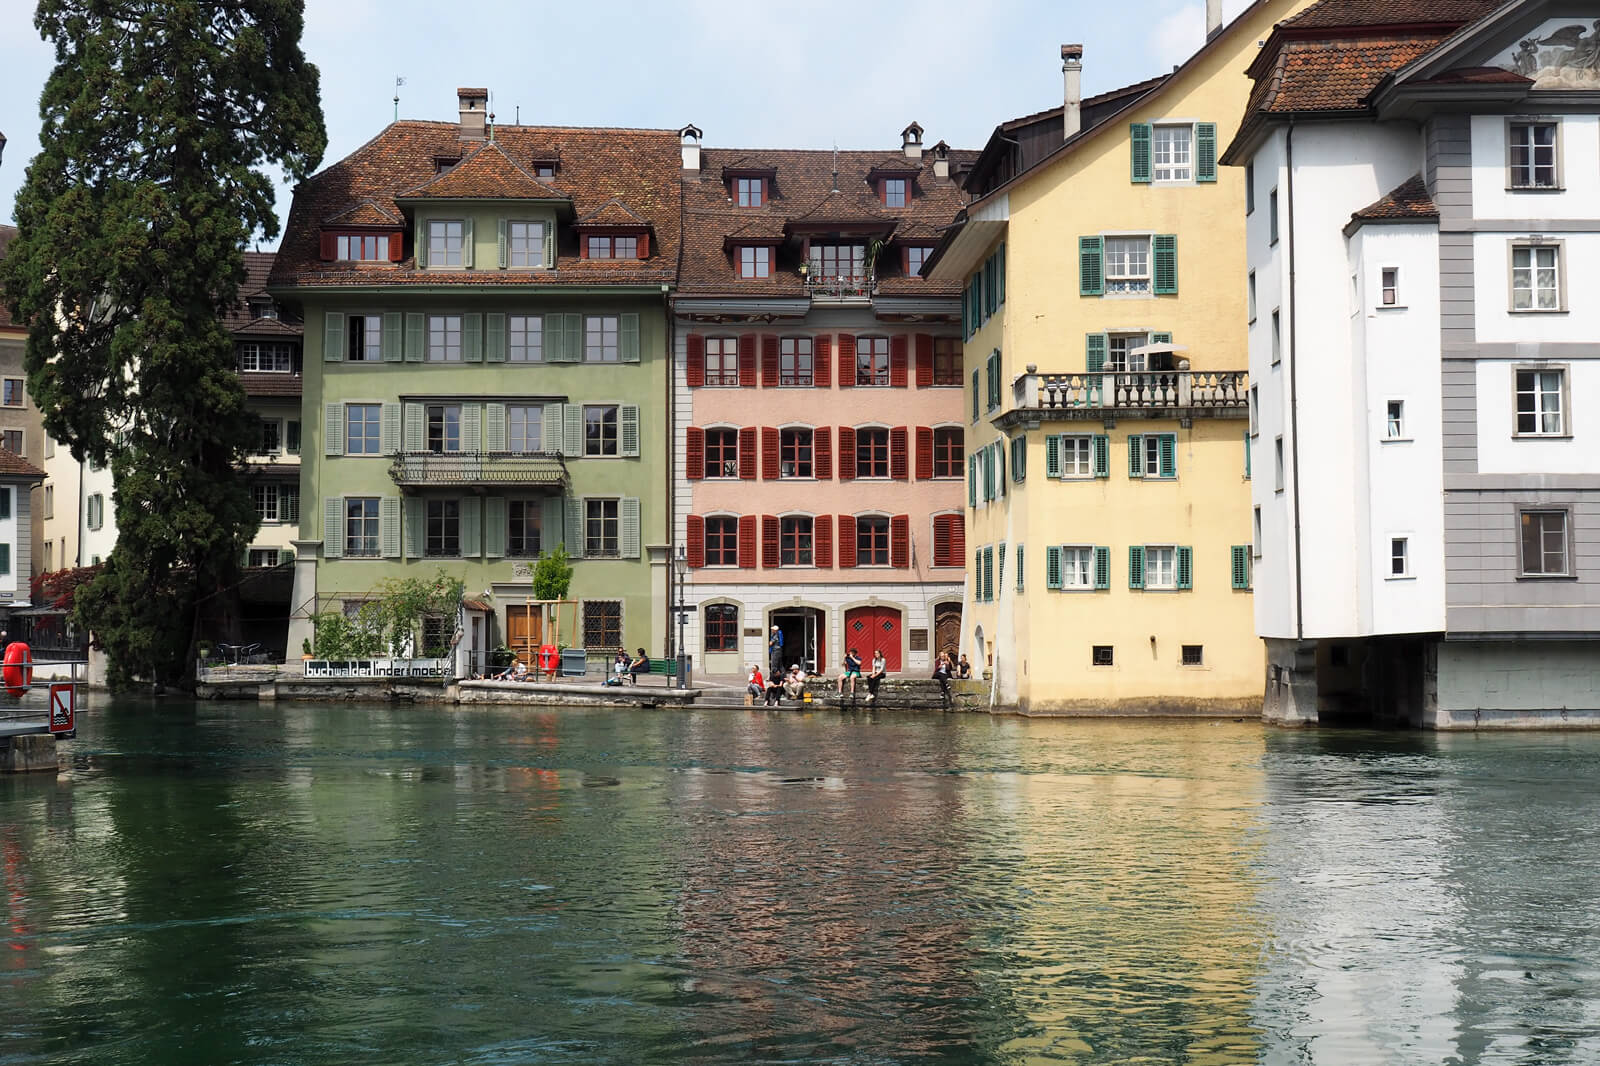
<point>263,309</point>
<point>755,262</point>
<point>750,192</point>
<point>356,247</point>
<point>613,247</point>
<point>916,255</point>
<point>444,164</point>
<point>544,168</point>
<point>894,191</point>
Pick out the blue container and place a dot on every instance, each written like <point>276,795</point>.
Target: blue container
<point>574,662</point>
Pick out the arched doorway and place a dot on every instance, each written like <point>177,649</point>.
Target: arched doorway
<point>871,629</point>
<point>946,628</point>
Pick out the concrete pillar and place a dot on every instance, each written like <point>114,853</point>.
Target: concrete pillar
<point>303,596</point>
<point>1291,683</point>
<point>32,754</point>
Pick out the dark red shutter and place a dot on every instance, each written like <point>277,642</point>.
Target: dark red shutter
<point>769,360</point>
<point>697,541</point>
<point>847,541</point>
<point>898,466</point>
<point>644,245</point>
<point>769,453</point>
<point>747,453</point>
<point>330,245</point>
<point>847,360</point>
<point>941,540</point>
<point>958,540</point>
<point>747,541</point>
<point>897,361</point>
<point>769,542</point>
<point>694,452</point>
<point>900,541</point>
<point>822,361</point>
<point>397,246</point>
<point>747,360</point>
<point>924,360</point>
<point>847,453</point>
<point>822,453</point>
<point>924,453</point>
<point>822,541</point>
<point>695,360</point>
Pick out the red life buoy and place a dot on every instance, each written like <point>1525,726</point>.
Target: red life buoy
<point>17,672</point>
<point>547,658</point>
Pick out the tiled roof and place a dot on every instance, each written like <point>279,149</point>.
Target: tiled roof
<point>486,173</point>
<point>1329,14</point>
<point>270,384</point>
<point>1335,75</point>
<point>1408,201</point>
<point>1477,76</point>
<point>238,320</point>
<point>638,167</point>
<point>366,212</point>
<point>14,465</point>
<point>268,327</point>
<point>612,213</point>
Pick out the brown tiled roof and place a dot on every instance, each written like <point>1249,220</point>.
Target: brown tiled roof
<point>611,213</point>
<point>268,327</point>
<point>1476,76</point>
<point>366,212</point>
<point>1329,14</point>
<point>257,266</point>
<point>270,384</point>
<point>1335,75</point>
<point>638,167</point>
<point>486,173</point>
<point>1408,201</point>
<point>14,465</point>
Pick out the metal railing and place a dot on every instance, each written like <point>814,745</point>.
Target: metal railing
<point>840,286</point>
<point>490,468</point>
<point>1120,390</point>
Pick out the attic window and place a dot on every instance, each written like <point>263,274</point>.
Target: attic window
<point>894,191</point>
<point>263,309</point>
<point>544,168</point>
<point>614,246</point>
<point>443,164</point>
<point>750,192</point>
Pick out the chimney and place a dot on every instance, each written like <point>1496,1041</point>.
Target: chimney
<point>911,141</point>
<point>689,137</point>
<point>1213,18</point>
<point>1071,89</point>
<point>472,103</point>
<point>941,160</point>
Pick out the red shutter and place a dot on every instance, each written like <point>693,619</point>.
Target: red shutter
<point>822,361</point>
<point>847,453</point>
<point>847,360</point>
<point>769,453</point>
<point>644,245</point>
<point>941,540</point>
<point>822,453</point>
<point>900,541</point>
<point>747,453</point>
<point>697,541</point>
<point>769,541</point>
<point>847,541</point>
<point>330,245</point>
<point>822,541</point>
<point>897,361</point>
<point>957,534</point>
<point>924,453</point>
<point>747,541</point>
<point>397,246</point>
<point>897,453</point>
<point>747,361</point>
<point>924,360</point>
<point>769,360</point>
<point>694,451</point>
<point>695,360</point>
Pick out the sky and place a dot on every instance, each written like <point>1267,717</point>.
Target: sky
<point>750,73</point>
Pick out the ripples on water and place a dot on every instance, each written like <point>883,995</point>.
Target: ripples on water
<point>309,884</point>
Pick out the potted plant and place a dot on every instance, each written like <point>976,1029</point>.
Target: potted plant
<point>501,657</point>
<point>305,649</point>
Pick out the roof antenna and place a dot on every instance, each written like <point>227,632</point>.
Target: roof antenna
<point>835,166</point>
<point>398,81</point>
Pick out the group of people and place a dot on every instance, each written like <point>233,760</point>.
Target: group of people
<point>947,666</point>
<point>791,682</point>
<point>629,666</point>
<point>770,691</point>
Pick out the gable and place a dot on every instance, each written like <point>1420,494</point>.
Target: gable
<point>1549,46</point>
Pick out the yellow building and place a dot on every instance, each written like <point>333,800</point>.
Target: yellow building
<point>1109,522</point>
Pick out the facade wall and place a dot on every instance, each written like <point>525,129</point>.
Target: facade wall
<point>23,417</point>
<point>1547,684</point>
<point>16,532</point>
<point>280,468</point>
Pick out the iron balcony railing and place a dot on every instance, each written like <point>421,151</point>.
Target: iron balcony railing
<point>840,286</point>
<point>526,469</point>
<point>1127,391</point>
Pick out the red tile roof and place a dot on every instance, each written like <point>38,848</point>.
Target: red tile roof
<point>1476,76</point>
<point>1340,14</point>
<point>1335,75</point>
<point>270,384</point>
<point>239,320</point>
<point>485,173</point>
<point>366,213</point>
<point>612,213</point>
<point>1409,201</point>
<point>14,465</point>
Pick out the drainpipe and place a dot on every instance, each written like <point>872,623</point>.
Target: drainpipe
<point>1294,406</point>
<point>672,451</point>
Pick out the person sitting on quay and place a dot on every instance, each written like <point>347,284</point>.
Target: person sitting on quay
<point>852,670</point>
<point>880,670</point>
<point>639,665</point>
<point>941,674</point>
<point>619,664</point>
<point>755,685</point>
<point>964,669</point>
<point>794,682</point>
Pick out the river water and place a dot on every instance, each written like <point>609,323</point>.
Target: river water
<point>298,884</point>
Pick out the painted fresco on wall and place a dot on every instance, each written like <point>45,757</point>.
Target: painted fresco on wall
<point>1560,54</point>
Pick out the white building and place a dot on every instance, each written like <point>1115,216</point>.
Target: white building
<point>1424,180</point>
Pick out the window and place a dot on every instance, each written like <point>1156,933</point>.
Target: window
<point>872,540</point>
<point>271,437</point>
<point>794,540</point>
<point>600,339</point>
<point>362,425</point>
<point>1394,424</point>
<point>794,452</point>
<point>1389,295</point>
<point>722,541</point>
<point>96,508</point>
<point>1160,567</point>
<point>524,429</point>
<point>750,191</point>
<point>949,540</point>
<point>1101,655</point>
<point>947,451</point>
<point>722,627</point>
<point>722,453</point>
<point>291,436</point>
<point>795,366</point>
<point>444,428</point>
<point>1239,566</point>
<point>1272,217</point>
<point>361,526</point>
<point>838,260</point>
<point>13,392</point>
<point>276,502</point>
<point>1399,562</point>
<point>363,247</point>
<point>872,360</point>
<point>522,530</point>
<point>1533,162</point>
<point>526,244</point>
<point>436,634</point>
<point>1127,264</point>
<point>1192,655</point>
<point>1255,541</point>
<point>722,361</point>
<point>946,361</point>
<point>263,557</point>
<point>1250,295</point>
<point>600,527</point>
<point>894,192</point>
<point>444,338</point>
<point>1540,402</point>
<point>526,338</point>
<point>1153,455</point>
<point>49,506</point>
<point>1277,338</point>
<point>1249,188</point>
<point>612,247</point>
<point>1255,410</point>
<point>1077,568</point>
<point>260,358</point>
<point>263,309</point>
<point>1122,355</point>
<point>544,170</point>
<point>1277,464</point>
<point>49,556</point>
<point>600,430</point>
<point>1076,458</point>
<point>1544,543</point>
<point>366,338</point>
<point>916,255</point>
<point>755,262</point>
<point>442,536</point>
<point>602,623</point>
<point>446,243</point>
<point>1172,153</point>
<point>872,453</point>
<point>1536,277</point>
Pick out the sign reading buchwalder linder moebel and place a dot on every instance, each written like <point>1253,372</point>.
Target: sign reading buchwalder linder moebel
<point>378,668</point>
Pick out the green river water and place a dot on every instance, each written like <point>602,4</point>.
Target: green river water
<point>310,884</point>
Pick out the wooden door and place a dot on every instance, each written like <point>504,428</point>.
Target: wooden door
<point>946,628</point>
<point>524,632</point>
<point>872,629</point>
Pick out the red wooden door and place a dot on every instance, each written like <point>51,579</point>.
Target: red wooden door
<point>871,629</point>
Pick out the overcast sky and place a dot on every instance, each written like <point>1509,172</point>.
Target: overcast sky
<point>750,73</point>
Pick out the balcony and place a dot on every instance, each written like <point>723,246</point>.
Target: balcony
<point>843,288</point>
<point>525,470</point>
<point>1144,394</point>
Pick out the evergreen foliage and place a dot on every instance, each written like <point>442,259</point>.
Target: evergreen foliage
<point>132,222</point>
<point>552,575</point>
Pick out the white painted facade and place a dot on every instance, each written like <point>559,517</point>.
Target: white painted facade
<point>15,586</point>
<point>1492,199</point>
<point>70,541</point>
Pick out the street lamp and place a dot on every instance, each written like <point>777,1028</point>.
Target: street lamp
<point>681,564</point>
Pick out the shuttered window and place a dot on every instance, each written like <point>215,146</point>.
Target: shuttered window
<point>1240,565</point>
<point>949,540</point>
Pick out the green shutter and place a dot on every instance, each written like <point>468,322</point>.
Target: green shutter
<point>574,526</point>
<point>1020,568</point>
<point>1102,567</point>
<point>1240,565</point>
<point>333,429</point>
<point>494,337</point>
<point>1000,274</point>
<point>1091,266</point>
<point>1205,151</point>
<point>467,258</point>
<point>628,538</point>
<point>1019,459</point>
<point>1000,462</point>
<point>494,427</point>
<point>332,337</point>
<point>628,337</point>
<point>413,427</point>
<point>471,428</point>
<point>976,401</point>
<point>628,431</point>
<point>549,244</point>
<point>1094,352</point>
<point>1052,567</point>
<point>572,430</point>
<point>1139,152</point>
<point>1136,566</point>
<point>415,337</point>
<point>1052,455</point>
<point>415,528</point>
<point>333,527</point>
<point>1185,567</point>
<point>472,338</point>
<point>574,338</point>
<point>1165,248</point>
<point>494,527</point>
<point>471,527</point>
<point>389,526</point>
<point>555,349</point>
<point>421,242</point>
<point>394,338</point>
<point>1161,338</point>
<point>1000,569</point>
<point>1101,446</point>
<point>389,429</point>
<point>972,481</point>
<point>1247,455</point>
<point>1135,455</point>
<point>501,229</point>
<point>552,520</point>
<point>1168,458</point>
<point>994,379</point>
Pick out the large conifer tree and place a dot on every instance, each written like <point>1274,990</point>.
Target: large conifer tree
<point>132,221</point>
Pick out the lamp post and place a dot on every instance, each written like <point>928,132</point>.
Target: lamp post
<point>681,564</point>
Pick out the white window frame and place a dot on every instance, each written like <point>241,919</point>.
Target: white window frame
<point>1539,392</point>
<point>371,338</point>
<point>1536,293</point>
<point>269,357</point>
<point>525,249</point>
<point>602,338</point>
<point>1122,277</point>
<point>1154,557</point>
<point>616,442</point>
<point>444,338</point>
<point>1254,408</point>
<point>1277,464</point>
<point>1394,420</point>
<point>1250,295</point>
<point>1272,216</point>
<point>258,557</point>
<point>275,427</point>
<point>1388,288</point>
<point>1525,178</point>
<point>360,243</point>
<point>378,407</point>
<point>531,415</point>
<point>525,338</point>
<point>755,261</point>
<point>1118,360</point>
<point>1077,567</point>
<point>1180,165</point>
<point>445,425</point>
<point>96,508</point>
<point>447,247</point>
<point>1277,336</point>
<point>1399,555</point>
<point>1255,538</point>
